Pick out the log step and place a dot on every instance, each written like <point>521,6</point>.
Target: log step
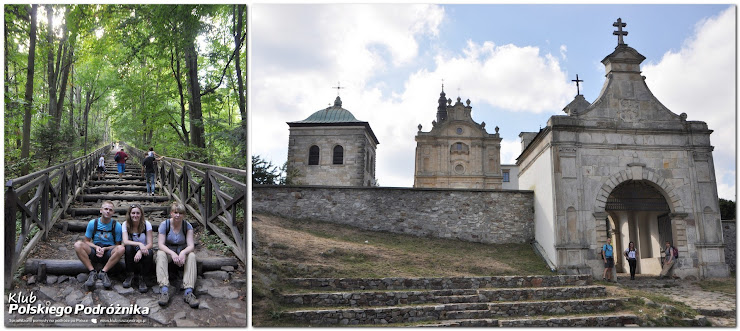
<point>99,197</point>
<point>75,267</point>
<point>116,183</point>
<point>74,212</point>
<point>354,284</point>
<point>92,190</point>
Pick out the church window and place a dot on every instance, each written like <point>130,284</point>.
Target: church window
<point>313,155</point>
<point>459,130</point>
<point>458,146</point>
<point>459,169</point>
<point>338,155</point>
<point>506,175</point>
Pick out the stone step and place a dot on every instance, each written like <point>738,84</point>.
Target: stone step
<point>74,212</point>
<point>411,314</point>
<point>115,182</point>
<point>351,284</point>
<point>560,321</point>
<point>100,197</point>
<point>391,298</point>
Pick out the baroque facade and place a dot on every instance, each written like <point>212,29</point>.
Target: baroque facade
<point>331,147</point>
<point>628,168</point>
<point>457,152</point>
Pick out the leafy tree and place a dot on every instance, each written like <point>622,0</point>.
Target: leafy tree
<point>727,209</point>
<point>264,172</point>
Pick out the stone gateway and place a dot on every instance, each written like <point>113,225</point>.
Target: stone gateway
<point>628,168</point>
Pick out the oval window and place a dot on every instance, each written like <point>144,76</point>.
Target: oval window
<point>459,130</point>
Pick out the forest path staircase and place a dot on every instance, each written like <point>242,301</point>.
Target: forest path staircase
<point>54,273</point>
<point>505,301</point>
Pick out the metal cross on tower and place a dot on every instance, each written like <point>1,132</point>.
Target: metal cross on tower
<point>619,33</point>
<point>338,87</point>
<point>578,87</point>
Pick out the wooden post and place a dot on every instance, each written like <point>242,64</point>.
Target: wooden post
<point>45,207</point>
<point>11,200</point>
<point>41,273</point>
<point>209,199</point>
<point>184,185</point>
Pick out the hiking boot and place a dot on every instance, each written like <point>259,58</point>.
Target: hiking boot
<point>142,285</point>
<point>164,298</point>
<point>128,280</point>
<point>102,275</point>
<point>191,300</point>
<point>91,279</point>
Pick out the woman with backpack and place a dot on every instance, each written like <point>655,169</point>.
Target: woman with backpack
<point>631,254</point>
<point>671,254</point>
<point>176,244</point>
<point>138,240</point>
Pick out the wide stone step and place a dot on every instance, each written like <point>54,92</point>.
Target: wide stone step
<point>119,211</point>
<point>575,321</point>
<point>560,321</point>
<point>115,182</point>
<point>100,189</point>
<point>391,298</point>
<point>352,284</point>
<point>406,314</point>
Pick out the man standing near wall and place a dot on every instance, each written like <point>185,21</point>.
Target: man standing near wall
<point>607,253</point>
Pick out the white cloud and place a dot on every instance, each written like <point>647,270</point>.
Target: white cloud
<point>700,80</point>
<point>564,52</point>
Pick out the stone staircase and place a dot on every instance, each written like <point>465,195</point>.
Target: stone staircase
<point>506,301</point>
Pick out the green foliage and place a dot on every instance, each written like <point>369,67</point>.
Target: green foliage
<point>264,172</point>
<point>53,143</point>
<point>727,209</point>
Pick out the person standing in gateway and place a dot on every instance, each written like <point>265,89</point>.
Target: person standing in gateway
<point>631,254</point>
<point>607,252</point>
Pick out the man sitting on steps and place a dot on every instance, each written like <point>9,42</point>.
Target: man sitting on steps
<point>102,244</point>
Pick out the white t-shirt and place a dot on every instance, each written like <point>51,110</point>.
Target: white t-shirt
<point>630,254</point>
<point>101,162</point>
<point>139,237</point>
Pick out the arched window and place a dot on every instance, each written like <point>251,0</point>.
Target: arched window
<point>338,154</point>
<point>313,155</point>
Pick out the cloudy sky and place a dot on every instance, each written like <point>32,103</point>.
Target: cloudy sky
<point>514,62</point>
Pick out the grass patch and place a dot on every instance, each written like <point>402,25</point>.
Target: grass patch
<point>725,285</point>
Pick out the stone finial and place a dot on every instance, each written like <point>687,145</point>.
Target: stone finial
<point>467,102</point>
<point>496,128</point>
<point>419,126</point>
<point>683,117</point>
<point>458,99</point>
<point>483,125</point>
<point>449,101</point>
<point>337,102</point>
<point>434,123</point>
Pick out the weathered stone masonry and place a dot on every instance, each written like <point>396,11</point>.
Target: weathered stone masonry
<point>486,216</point>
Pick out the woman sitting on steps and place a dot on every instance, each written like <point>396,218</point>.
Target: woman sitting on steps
<point>176,245</point>
<point>138,240</point>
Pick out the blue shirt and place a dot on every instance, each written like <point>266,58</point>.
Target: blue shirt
<point>106,235</point>
<point>608,250</point>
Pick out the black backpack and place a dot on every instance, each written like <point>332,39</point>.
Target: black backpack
<point>118,156</point>
<point>167,225</point>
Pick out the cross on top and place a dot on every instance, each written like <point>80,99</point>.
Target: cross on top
<point>619,33</point>
<point>338,87</point>
<point>578,87</point>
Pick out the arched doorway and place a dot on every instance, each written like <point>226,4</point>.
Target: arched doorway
<point>638,212</point>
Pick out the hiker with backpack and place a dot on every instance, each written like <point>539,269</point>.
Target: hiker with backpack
<point>631,254</point>
<point>138,240</point>
<point>148,170</point>
<point>101,166</point>
<point>607,253</point>
<point>671,254</point>
<point>102,244</point>
<point>120,159</point>
<point>176,244</point>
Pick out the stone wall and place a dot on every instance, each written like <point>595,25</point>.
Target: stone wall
<point>487,216</point>
<point>393,283</point>
<point>730,234</point>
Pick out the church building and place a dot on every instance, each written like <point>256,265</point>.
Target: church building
<point>457,152</point>
<point>331,147</point>
<point>624,167</point>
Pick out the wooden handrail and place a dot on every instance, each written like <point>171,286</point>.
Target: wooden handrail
<point>48,204</point>
<point>210,196</point>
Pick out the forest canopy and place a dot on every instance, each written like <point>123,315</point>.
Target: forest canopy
<point>77,77</point>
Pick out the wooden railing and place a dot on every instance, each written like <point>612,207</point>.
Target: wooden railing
<point>215,196</point>
<point>37,201</point>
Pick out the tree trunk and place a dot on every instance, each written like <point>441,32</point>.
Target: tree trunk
<point>25,146</point>
<point>175,65</point>
<point>50,63</point>
<point>196,112</point>
<point>240,80</point>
